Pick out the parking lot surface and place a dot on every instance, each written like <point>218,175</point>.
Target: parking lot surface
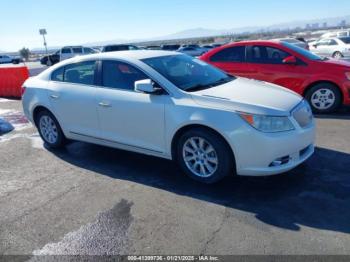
<point>88,199</point>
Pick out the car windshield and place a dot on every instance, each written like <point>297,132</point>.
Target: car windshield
<point>188,73</point>
<point>346,40</point>
<point>303,52</point>
<point>290,40</point>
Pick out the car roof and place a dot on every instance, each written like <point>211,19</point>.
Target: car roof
<point>119,45</point>
<point>72,46</point>
<point>254,42</point>
<point>134,54</point>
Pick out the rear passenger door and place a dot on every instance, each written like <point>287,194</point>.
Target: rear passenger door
<point>233,61</point>
<point>127,117</point>
<point>72,94</point>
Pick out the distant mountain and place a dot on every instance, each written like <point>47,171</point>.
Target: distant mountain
<point>205,32</point>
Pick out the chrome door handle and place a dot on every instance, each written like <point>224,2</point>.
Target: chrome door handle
<point>104,104</point>
<point>54,96</point>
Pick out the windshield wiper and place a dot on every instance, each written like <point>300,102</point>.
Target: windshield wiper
<point>222,81</point>
<point>198,87</point>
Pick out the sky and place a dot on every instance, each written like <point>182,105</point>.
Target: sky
<point>82,21</point>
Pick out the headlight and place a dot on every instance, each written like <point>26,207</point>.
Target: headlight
<point>268,124</point>
<point>347,74</point>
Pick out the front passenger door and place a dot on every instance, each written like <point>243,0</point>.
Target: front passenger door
<point>268,60</point>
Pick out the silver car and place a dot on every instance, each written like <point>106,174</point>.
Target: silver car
<point>295,42</point>
<point>337,48</point>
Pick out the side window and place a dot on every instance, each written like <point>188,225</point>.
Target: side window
<point>120,75</point>
<point>77,50</point>
<point>80,73</point>
<point>131,47</point>
<point>57,75</point>
<point>267,55</point>
<point>88,51</point>
<point>230,54</point>
<point>322,42</point>
<point>66,51</point>
<point>332,42</point>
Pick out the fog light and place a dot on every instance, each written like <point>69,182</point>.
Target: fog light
<point>280,161</point>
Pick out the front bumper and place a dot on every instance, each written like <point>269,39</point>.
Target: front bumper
<point>346,93</point>
<point>256,153</point>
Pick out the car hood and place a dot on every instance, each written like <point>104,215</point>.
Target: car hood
<point>250,96</point>
<point>336,62</point>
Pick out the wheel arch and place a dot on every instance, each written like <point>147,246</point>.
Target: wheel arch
<point>37,110</point>
<point>337,52</point>
<point>311,85</point>
<point>188,127</point>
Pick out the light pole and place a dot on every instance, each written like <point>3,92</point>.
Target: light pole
<point>43,32</point>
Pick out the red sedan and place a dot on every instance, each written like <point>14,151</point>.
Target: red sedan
<point>325,83</point>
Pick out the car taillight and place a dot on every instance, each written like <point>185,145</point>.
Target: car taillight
<point>23,89</point>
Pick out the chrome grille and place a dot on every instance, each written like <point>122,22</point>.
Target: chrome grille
<point>303,114</point>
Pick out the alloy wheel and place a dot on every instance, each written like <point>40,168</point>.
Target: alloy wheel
<point>48,129</point>
<point>323,99</point>
<point>200,157</point>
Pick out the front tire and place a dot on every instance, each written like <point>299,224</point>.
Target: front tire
<point>204,156</point>
<point>50,130</point>
<point>324,98</point>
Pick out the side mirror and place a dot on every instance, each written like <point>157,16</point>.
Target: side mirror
<point>146,86</point>
<point>290,60</point>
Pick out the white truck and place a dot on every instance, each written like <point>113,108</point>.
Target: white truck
<point>65,53</point>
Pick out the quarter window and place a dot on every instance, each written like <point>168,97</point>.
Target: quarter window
<point>230,54</point>
<point>267,55</point>
<point>57,75</point>
<point>120,75</point>
<point>80,73</point>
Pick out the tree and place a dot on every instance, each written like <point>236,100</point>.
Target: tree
<point>24,52</point>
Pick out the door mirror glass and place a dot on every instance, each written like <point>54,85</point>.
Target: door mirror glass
<point>146,86</point>
<point>290,60</point>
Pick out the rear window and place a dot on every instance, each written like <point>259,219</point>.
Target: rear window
<point>80,73</point>
<point>346,40</point>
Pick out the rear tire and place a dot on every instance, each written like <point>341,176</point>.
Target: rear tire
<point>337,55</point>
<point>50,130</point>
<point>324,98</point>
<point>204,156</point>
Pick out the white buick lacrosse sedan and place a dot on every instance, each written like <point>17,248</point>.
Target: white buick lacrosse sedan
<point>172,106</point>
